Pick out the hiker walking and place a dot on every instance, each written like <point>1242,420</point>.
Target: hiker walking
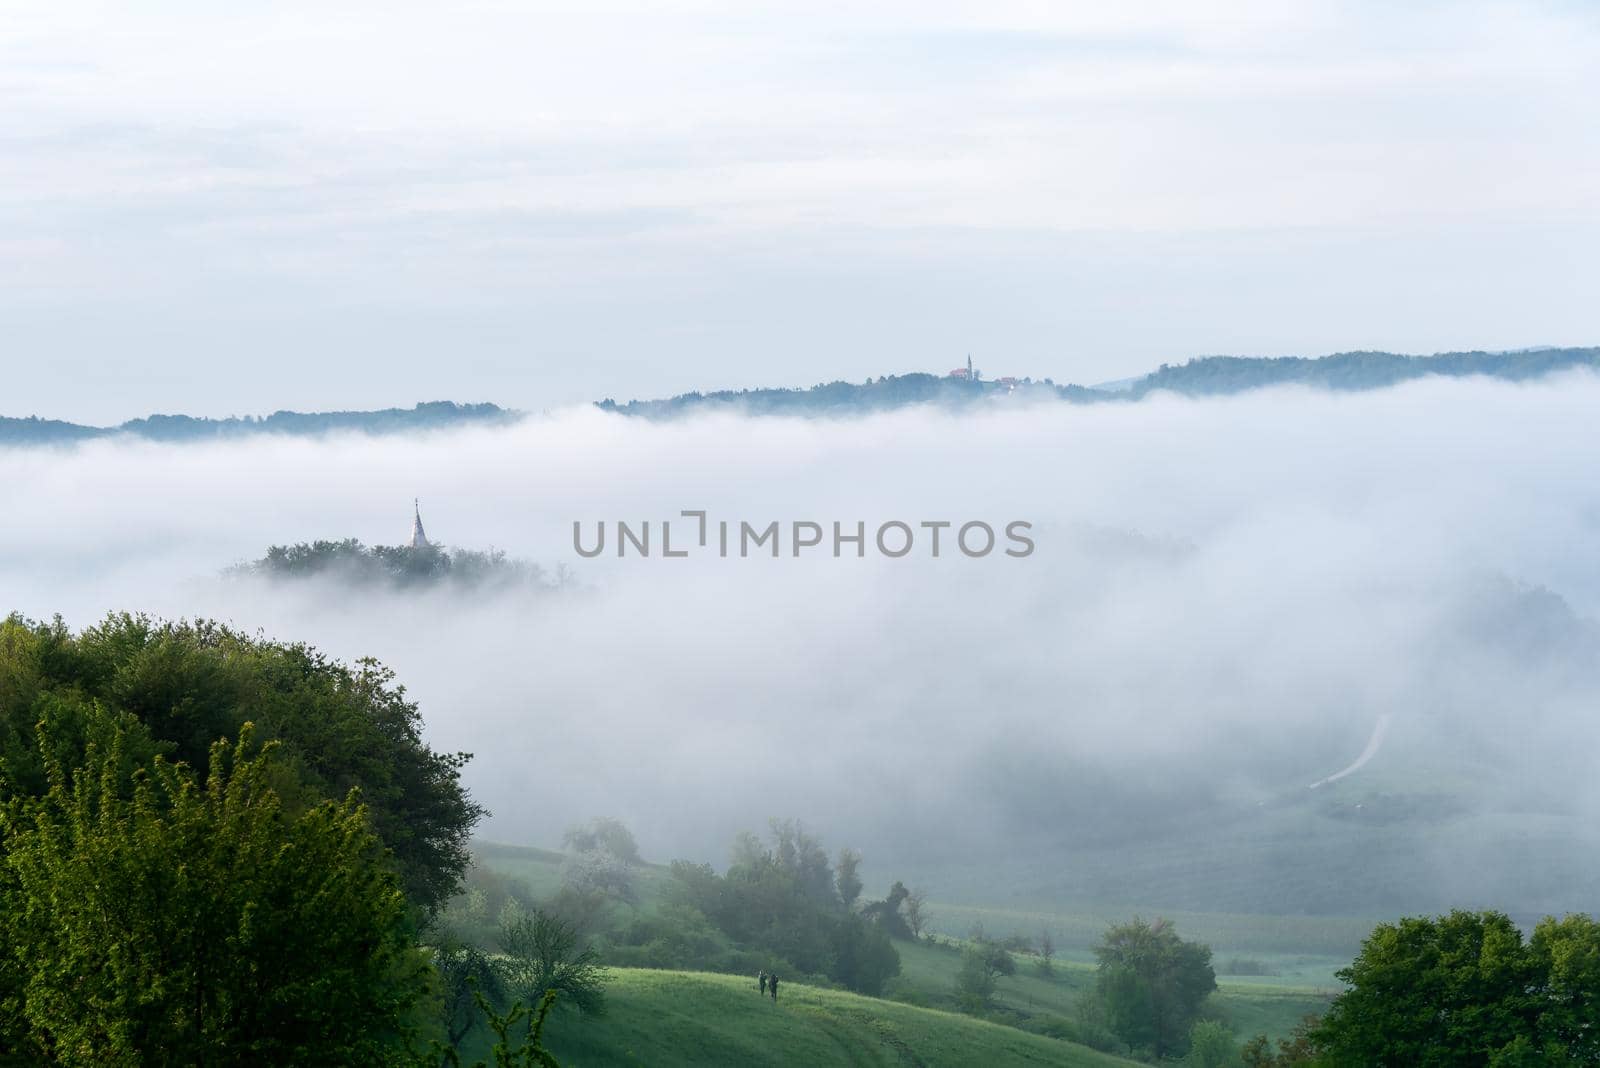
<point>763,984</point>
<point>773,982</point>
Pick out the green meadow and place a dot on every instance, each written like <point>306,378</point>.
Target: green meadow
<point>667,1019</point>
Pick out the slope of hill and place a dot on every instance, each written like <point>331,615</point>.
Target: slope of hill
<point>429,415</point>
<point>693,1019</point>
<point>1204,376</point>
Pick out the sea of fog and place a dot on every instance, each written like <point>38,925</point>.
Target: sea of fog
<point>1225,598</point>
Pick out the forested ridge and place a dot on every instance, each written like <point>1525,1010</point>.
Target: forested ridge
<point>429,415</point>
<point>1202,376</point>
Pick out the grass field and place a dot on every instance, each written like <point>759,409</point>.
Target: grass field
<point>1076,926</point>
<point>1266,1005</point>
<point>696,1020</point>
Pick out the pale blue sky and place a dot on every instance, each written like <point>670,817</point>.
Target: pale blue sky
<point>232,208</point>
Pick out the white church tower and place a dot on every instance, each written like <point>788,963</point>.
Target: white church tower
<point>419,540</point>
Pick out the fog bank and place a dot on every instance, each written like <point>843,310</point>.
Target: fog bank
<point>1225,597</point>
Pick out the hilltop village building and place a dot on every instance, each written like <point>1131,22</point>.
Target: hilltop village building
<point>972,374</point>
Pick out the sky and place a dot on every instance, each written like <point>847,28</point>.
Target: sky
<point>229,209</point>
<point>1226,596</point>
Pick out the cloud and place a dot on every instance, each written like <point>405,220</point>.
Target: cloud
<point>1226,596</point>
<point>585,199</point>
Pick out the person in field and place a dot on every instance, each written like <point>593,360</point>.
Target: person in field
<point>763,984</point>
<point>773,982</point>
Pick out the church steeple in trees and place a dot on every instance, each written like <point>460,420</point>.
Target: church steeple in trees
<point>419,540</point>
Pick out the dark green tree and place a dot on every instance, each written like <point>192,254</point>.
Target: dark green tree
<point>1565,954</point>
<point>847,876</point>
<point>1465,989</point>
<point>887,913</point>
<point>1153,984</point>
<point>863,958</point>
<point>338,727</point>
<point>1433,992</point>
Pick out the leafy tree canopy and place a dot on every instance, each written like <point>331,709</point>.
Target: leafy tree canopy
<point>150,917</point>
<point>1466,989</point>
<point>337,727</point>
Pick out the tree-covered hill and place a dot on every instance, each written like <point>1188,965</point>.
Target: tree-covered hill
<point>430,415</point>
<point>398,566</point>
<point>847,398</point>
<point>1202,376</point>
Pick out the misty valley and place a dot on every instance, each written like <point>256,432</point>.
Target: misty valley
<point>329,745</point>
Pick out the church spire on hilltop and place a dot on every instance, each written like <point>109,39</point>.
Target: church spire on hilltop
<point>419,540</point>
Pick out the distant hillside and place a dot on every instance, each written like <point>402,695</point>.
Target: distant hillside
<point>1355,370</point>
<point>849,398</point>
<point>1204,376</point>
<point>427,416</point>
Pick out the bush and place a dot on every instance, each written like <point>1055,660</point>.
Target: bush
<point>982,964</point>
<point>1211,1045</point>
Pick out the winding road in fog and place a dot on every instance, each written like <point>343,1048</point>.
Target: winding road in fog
<point>1374,743</point>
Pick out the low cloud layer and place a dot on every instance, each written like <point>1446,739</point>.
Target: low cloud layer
<point>1226,596</point>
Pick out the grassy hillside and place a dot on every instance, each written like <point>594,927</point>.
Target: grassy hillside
<point>667,1019</point>
<point>1299,952</point>
<point>1329,941</point>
